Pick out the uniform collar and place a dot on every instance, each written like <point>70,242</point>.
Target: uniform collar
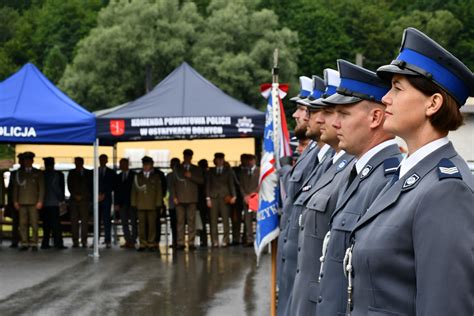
<point>337,156</point>
<point>411,161</point>
<point>362,161</point>
<point>323,151</point>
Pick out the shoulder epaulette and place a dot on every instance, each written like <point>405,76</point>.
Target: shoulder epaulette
<point>390,165</point>
<point>447,169</point>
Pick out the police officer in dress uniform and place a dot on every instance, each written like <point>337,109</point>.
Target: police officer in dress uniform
<point>412,251</point>
<point>28,194</point>
<point>359,125</point>
<point>146,198</point>
<point>79,183</point>
<point>306,170</point>
<point>170,177</point>
<point>220,193</point>
<point>185,191</point>
<point>249,177</point>
<point>318,204</point>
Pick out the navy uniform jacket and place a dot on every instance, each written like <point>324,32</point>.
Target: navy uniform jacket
<point>288,239</point>
<point>373,177</point>
<point>123,188</point>
<point>413,251</point>
<point>313,226</point>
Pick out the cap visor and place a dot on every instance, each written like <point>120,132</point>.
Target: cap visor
<point>317,104</point>
<point>304,102</point>
<point>337,98</point>
<point>386,72</point>
<point>295,99</point>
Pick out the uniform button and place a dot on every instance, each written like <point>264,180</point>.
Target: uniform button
<point>320,299</point>
<point>302,228</point>
<point>288,221</point>
<point>283,259</point>
<point>297,270</point>
<point>285,240</point>
<point>299,248</point>
<point>343,222</point>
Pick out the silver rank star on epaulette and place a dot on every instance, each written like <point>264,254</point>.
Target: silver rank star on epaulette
<point>306,188</point>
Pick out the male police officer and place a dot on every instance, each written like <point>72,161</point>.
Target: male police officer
<point>10,209</point>
<point>305,171</point>
<point>185,193</point>
<point>146,198</point>
<point>28,193</point>
<point>359,125</point>
<point>317,202</point>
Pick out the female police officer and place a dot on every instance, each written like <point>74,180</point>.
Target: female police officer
<point>412,252</point>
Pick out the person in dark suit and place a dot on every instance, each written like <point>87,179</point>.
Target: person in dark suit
<point>170,177</point>
<point>238,206</point>
<point>185,189</point>
<point>249,177</point>
<point>106,185</point>
<point>202,204</point>
<point>10,208</point>
<point>161,210</point>
<point>220,192</point>
<point>79,183</point>
<point>53,197</point>
<point>122,194</point>
<point>412,251</point>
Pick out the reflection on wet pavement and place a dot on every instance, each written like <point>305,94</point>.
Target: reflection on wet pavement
<point>204,282</point>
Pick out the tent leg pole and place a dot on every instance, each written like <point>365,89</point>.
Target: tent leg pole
<point>95,254</point>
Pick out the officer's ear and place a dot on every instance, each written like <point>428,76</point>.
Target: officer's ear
<point>433,104</point>
<point>377,115</point>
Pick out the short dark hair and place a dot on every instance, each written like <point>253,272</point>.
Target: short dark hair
<point>449,117</point>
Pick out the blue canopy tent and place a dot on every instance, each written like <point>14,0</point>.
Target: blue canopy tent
<point>34,110</point>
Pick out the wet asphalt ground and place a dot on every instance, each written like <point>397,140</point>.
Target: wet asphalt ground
<point>221,281</point>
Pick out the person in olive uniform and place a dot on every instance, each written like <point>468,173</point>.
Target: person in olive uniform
<point>54,196</point>
<point>28,194</point>
<point>360,116</point>
<point>10,208</point>
<point>185,190</point>
<point>412,251</point>
<point>249,177</point>
<point>79,183</point>
<point>146,198</point>
<point>220,192</point>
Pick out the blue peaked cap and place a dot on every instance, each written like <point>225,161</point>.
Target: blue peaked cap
<point>421,56</point>
<point>357,84</point>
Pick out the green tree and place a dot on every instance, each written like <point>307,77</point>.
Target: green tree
<point>235,48</point>
<point>54,64</point>
<point>130,37</point>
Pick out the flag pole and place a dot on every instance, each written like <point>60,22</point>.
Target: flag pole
<point>276,144</point>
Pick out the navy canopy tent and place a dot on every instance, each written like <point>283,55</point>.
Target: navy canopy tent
<point>33,110</point>
<point>184,105</point>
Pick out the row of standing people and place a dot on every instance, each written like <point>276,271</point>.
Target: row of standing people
<point>138,198</point>
<point>365,230</point>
